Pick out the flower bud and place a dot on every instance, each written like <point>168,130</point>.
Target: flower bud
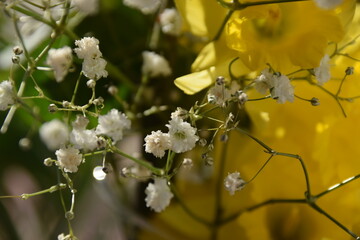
<point>52,108</point>
<point>113,90</point>
<point>220,80</point>
<point>315,101</point>
<point>15,59</point>
<point>66,104</point>
<point>349,71</point>
<point>48,162</point>
<point>18,50</point>
<point>91,83</point>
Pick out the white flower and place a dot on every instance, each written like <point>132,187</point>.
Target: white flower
<point>328,4</point>
<point>182,135</point>
<point>170,21</point>
<point>88,47</point>
<point>218,95</point>
<point>89,7</point>
<point>233,182</point>
<point>7,97</point>
<point>283,90</point>
<point>60,60</point>
<point>157,143</point>
<point>265,81</point>
<point>69,159</point>
<point>54,134</point>
<point>158,195</point>
<point>322,73</point>
<point>94,68</point>
<point>145,6</point>
<point>81,137</point>
<point>179,113</point>
<point>113,124</point>
<point>155,65</point>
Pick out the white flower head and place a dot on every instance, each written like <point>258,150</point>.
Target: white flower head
<point>87,48</point>
<point>170,21</point>
<point>233,182</point>
<point>113,124</point>
<point>157,143</point>
<point>283,90</point>
<point>7,97</point>
<point>265,81</point>
<point>81,137</point>
<point>328,4</point>
<point>182,135</point>
<point>89,7</point>
<point>218,95</point>
<point>158,195</point>
<point>54,134</point>
<point>322,73</point>
<point>94,68</point>
<point>155,65</point>
<point>69,159</point>
<point>60,60</point>
<point>145,6</point>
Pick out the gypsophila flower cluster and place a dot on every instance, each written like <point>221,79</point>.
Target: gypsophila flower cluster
<point>233,182</point>
<point>60,60</point>
<point>279,85</point>
<point>6,95</point>
<point>81,137</point>
<point>180,138</point>
<point>155,65</point>
<point>113,124</point>
<point>54,134</point>
<point>93,65</point>
<point>69,159</point>
<point>157,143</point>
<point>170,22</point>
<point>158,195</point>
<point>322,73</point>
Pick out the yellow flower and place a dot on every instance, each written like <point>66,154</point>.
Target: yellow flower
<point>286,35</point>
<point>328,144</point>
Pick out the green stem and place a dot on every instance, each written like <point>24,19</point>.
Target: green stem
<point>336,186</point>
<point>143,163</point>
<point>259,205</point>
<point>28,195</point>
<point>218,192</point>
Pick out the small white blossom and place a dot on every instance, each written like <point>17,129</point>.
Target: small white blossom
<point>69,159</point>
<point>233,182</point>
<point>54,134</point>
<point>81,137</point>
<point>155,65</point>
<point>182,135</point>
<point>157,143</point>
<point>179,113</point>
<point>158,195</point>
<point>170,21</point>
<point>322,73</point>
<point>60,60</point>
<point>89,7</point>
<point>328,4</point>
<point>6,95</point>
<point>145,6</point>
<point>113,124</point>
<point>283,90</point>
<point>264,82</point>
<point>218,95</point>
<point>94,68</point>
<point>88,47</point>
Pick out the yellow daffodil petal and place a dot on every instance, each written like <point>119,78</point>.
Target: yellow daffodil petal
<point>202,17</point>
